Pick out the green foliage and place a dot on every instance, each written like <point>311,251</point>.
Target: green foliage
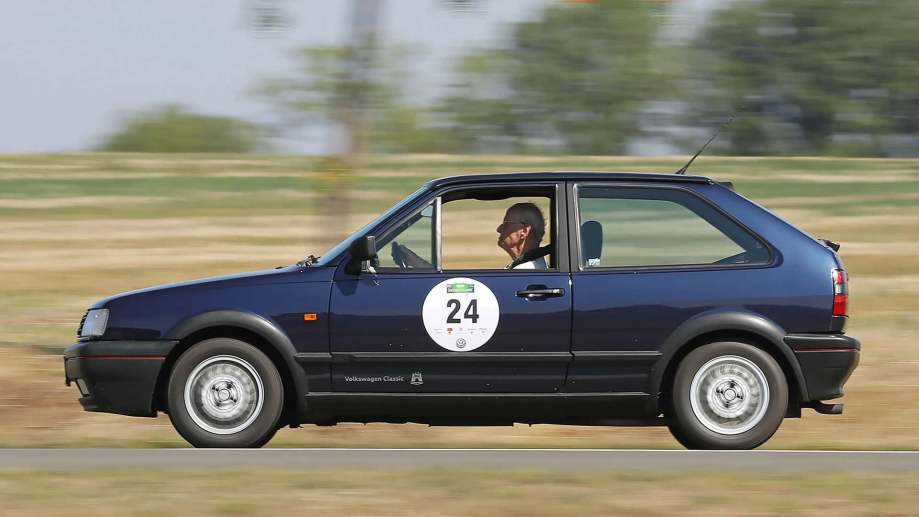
<point>402,128</point>
<point>322,87</point>
<point>575,80</point>
<point>819,77</point>
<point>172,129</point>
<point>333,85</point>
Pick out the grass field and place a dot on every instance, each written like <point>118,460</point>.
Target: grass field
<point>457,493</point>
<point>77,228</point>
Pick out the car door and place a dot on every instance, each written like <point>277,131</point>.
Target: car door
<point>647,258</point>
<point>436,329</point>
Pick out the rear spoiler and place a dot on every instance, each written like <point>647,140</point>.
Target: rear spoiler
<point>728,185</point>
<point>830,244</point>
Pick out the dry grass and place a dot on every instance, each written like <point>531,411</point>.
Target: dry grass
<point>457,493</point>
<point>192,218</point>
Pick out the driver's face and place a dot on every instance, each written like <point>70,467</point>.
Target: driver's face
<point>511,232</point>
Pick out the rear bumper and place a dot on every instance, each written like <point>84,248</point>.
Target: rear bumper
<point>827,361</point>
<point>117,376</point>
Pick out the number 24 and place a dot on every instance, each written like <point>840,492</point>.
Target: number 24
<point>472,311</point>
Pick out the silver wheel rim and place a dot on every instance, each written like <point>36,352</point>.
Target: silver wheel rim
<point>224,394</point>
<point>729,395</point>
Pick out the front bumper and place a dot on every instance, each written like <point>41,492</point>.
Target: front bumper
<point>117,376</point>
<point>827,361</point>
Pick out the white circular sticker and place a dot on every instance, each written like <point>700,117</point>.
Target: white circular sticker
<point>460,314</point>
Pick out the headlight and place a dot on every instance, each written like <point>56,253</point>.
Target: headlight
<point>94,323</point>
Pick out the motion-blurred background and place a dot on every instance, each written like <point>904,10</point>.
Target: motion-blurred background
<point>155,142</point>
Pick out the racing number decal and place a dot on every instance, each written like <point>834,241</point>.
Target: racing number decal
<point>460,314</point>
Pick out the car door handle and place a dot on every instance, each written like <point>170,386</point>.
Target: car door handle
<point>540,292</point>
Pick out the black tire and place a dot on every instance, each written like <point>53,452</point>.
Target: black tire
<point>706,428</point>
<point>230,368</point>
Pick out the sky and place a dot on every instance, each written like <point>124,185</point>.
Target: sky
<point>70,70</point>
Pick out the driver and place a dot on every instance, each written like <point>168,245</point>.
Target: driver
<point>519,235</point>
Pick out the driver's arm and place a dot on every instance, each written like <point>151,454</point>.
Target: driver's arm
<point>412,259</point>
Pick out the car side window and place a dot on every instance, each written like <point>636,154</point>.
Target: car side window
<point>487,234</point>
<point>409,245</point>
<point>483,228</point>
<point>641,227</point>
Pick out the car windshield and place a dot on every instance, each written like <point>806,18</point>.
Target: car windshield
<point>343,245</point>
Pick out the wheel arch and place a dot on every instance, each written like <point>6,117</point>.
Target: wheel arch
<point>722,326</point>
<point>252,329</point>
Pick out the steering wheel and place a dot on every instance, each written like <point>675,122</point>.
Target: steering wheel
<point>398,256</point>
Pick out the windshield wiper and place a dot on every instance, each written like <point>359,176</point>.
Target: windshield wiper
<point>308,261</point>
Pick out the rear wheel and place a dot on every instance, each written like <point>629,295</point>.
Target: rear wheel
<point>225,393</point>
<point>728,396</point>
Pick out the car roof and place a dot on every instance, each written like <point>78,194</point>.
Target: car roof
<point>566,176</point>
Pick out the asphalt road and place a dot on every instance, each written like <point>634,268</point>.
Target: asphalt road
<point>402,459</point>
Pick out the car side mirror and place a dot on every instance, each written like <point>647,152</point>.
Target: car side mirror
<point>363,248</point>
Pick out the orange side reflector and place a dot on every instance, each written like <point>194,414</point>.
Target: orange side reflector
<point>310,316</point>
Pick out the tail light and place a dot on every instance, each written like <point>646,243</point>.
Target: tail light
<point>840,293</point>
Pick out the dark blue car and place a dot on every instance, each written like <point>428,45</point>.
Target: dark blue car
<point>559,298</point>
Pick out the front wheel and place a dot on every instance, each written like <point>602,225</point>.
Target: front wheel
<point>728,396</point>
<point>225,393</point>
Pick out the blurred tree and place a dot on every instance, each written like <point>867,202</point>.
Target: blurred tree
<point>173,129</point>
<point>817,76</point>
<point>325,89</point>
<point>575,80</point>
<point>336,84</point>
<point>357,88</point>
<point>403,128</point>
<point>342,85</point>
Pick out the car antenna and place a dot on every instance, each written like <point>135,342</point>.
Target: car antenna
<point>683,170</point>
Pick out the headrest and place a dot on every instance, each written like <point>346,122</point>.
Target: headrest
<point>591,243</point>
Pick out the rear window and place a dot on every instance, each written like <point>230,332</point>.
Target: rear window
<point>642,227</point>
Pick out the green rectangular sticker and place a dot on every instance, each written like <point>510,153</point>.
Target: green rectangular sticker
<point>461,287</point>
